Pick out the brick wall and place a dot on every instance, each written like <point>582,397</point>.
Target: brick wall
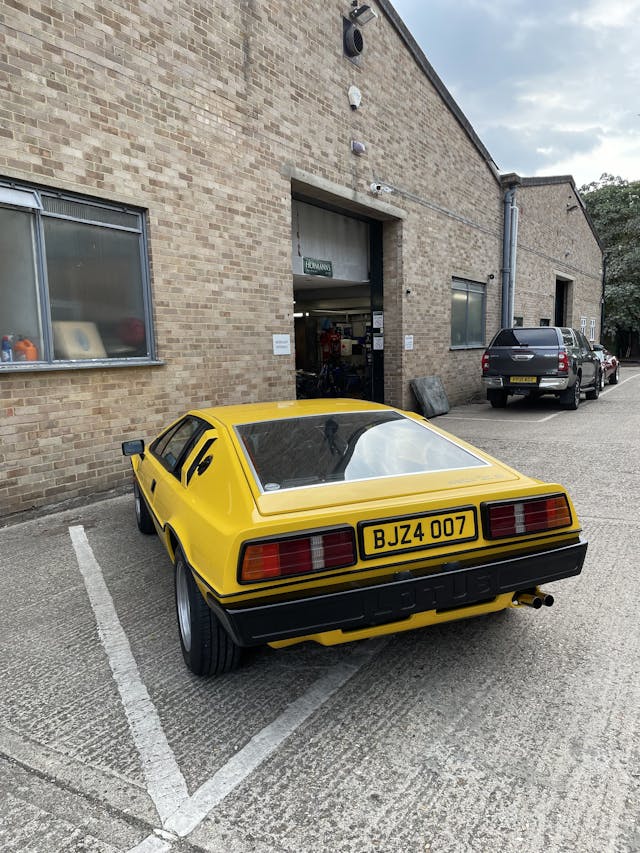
<point>199,113</point>
<point>555,239</point>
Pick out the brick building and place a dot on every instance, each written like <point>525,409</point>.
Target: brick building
<point>559,256</point>
<point>189,200</point>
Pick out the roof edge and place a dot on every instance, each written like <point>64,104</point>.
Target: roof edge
<point>429,72</point>
<point>511,179</point>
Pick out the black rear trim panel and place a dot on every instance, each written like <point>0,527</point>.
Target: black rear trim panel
<point>351,609</point>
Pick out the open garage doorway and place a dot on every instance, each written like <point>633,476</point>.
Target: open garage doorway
<point>337,290</point>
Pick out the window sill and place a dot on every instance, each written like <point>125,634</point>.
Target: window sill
<point>467,347</point>
<point>95,363</point>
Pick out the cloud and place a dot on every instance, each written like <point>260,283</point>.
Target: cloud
<point>607,14</point>
<point>546,88</point>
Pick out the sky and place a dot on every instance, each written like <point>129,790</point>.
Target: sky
<point>551,87</point>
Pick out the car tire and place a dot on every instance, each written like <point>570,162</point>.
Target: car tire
<point>615,376</point>
<point>570,399</point>
<point>207,649</point>
<point>498,399</point>
<point>594,392</point>
<point>143,516</point>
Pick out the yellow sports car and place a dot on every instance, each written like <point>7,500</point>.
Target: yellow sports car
<point>336,520</point>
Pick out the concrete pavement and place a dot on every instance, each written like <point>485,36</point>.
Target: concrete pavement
<point>519,732</point>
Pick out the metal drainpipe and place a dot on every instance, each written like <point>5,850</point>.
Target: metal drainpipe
<point>513,251</point>
<point>507,243</point>
<point>602,297</point>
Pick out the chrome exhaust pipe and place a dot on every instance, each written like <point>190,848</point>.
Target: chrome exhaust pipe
<point>529,600</point>
<point>546,597</point>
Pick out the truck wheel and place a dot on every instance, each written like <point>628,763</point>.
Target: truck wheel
<point>594,393</point>
<point>615,377</point>
<point>207,649</point>
<point>570,399</point>
<point>498,399</point>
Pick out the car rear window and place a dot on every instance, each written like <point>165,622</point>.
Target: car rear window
<point>297,452</point>
<point>537,337</point>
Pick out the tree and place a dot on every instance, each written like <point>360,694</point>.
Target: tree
<point>614,207</point>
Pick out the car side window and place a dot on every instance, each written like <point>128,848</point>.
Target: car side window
<point>172,447</point>
<point>583,343</point>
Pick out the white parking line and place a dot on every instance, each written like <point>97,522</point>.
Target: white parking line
<point>263,744</point>
<point>165,782</point>
<point>606,390</point>
<point>151,844</point>
<point>179,812</point>
<point>504,420</point>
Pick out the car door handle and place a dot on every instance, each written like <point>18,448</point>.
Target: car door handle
<point>153,486</point>
<point>202,467</point>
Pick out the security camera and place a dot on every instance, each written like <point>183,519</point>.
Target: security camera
<point>379,188</point>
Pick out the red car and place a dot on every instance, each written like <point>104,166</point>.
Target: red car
<point>610,366</point>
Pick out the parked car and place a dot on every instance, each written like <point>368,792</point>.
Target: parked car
<point>540,360</point>
<point>609,365</point>
<point>337,520</point>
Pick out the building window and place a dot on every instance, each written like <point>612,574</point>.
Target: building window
<point>592,329</point>
<point>467,313</point>
<point>583,325</point>
<point>545,321</point>
<point>518,321</point>
<point>74,283</point>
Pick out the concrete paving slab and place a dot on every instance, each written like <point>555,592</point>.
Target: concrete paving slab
<point>518,732</point>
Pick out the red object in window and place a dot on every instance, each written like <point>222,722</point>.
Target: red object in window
<point>24,350</point>
<point>131,332</point>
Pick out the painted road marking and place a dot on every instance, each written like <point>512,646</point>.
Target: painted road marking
<point>180,813</point>
<point>606,390</point>
<point>165,783</point>
<point>263,744</point>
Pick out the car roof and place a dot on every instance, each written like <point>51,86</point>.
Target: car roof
<point>252,412</point>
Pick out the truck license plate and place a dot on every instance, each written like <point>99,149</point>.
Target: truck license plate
<point>524,380</point>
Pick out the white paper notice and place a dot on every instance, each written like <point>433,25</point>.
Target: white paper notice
<point>378,320</point>
<point>408,341</point>
<point>282,344</point>
<point>378,341</point>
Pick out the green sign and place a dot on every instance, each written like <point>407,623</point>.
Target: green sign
<point>312,266</point>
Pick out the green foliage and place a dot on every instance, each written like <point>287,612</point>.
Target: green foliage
<point>614,207</point>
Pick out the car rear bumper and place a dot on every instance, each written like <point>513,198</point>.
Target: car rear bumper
<point>545,383</point>
<point>354,609</point>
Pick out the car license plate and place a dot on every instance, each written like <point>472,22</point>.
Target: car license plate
<point>417,532</point>
<point>524,380</point>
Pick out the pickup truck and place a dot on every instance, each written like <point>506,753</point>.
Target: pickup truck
<point>540,360</point>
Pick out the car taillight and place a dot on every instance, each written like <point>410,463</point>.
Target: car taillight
<point>514,518</point>
<point>563,361</point>
<point>485,362</point>
<point>299,555</point>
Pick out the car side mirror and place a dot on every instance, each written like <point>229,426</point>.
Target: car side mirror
<point>133,448</point>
